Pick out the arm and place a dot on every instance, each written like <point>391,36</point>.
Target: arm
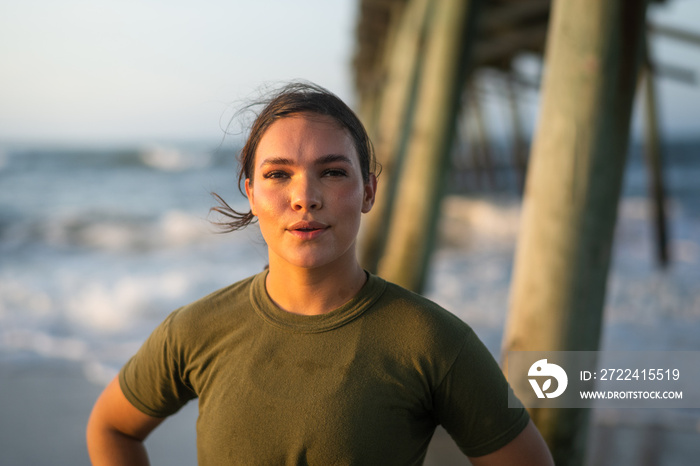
<point>116,429</point>
<point>527,449</point>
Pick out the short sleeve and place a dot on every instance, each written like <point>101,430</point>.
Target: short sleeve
<point>152,380</point>
<point>471,402</point>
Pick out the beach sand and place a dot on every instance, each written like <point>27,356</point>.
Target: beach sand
<point>44,407</point>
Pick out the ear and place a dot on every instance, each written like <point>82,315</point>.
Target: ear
<point>249,195</point>
<point>370,193</point>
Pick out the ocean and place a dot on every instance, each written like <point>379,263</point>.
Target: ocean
<point>99,244</point>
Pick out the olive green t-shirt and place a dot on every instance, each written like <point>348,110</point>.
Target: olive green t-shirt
<point>364,384</point>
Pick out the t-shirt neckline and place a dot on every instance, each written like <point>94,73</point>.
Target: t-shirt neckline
<point>277,317</point>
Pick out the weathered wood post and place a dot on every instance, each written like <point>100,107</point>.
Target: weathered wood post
<point>573,185</point>
<point>519,144</point>
<point>481,136</point>
<point>657,197</point>
<point>416,208</point>
<point>403,57</point>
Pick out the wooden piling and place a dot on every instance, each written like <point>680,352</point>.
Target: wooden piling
<point>518,133</point>
<point>417,205</point>
<point>657,197</point>
<point>481,135</point>
<point>403,58</point>
<point>572,189</point>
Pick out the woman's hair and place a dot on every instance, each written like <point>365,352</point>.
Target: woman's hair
<point>293,99</point>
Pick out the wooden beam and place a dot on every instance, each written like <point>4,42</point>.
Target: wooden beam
<point>507,45</point>
<point>499,16</point>
<point>674,33</point>
<point>674,72</point>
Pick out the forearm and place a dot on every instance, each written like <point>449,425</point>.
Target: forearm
<point>116,430</point>
<point>527,449</point>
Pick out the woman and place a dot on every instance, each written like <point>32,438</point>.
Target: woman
<point>313,361</point>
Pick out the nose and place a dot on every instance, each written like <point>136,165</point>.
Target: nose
<point>306,195</point>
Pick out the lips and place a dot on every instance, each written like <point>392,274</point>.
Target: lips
<point>307,230</point>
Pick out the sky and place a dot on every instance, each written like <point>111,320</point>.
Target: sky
<point>153,70</point>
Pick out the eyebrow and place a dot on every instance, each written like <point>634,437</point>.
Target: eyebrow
<point>326,159</point>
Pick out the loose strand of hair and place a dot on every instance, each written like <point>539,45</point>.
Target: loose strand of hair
<point>239,219</point>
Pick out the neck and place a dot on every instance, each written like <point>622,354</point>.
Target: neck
<point>313,291</point>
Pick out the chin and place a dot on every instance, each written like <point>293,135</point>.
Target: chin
<point>317,256</point>
<point>314,261</point>
<point>310,263</point>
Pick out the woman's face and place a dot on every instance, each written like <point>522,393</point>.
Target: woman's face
<point>308,193</point>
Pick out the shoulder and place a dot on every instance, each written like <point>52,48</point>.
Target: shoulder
<point>419,312</point>
<point>418,325</point>
<point>216,311</point>
<point>218,301</point>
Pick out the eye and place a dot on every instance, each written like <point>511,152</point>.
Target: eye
<point>274,174</point>
<point>335,172</point>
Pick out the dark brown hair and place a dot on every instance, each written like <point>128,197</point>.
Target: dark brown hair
<point>290,100</point>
